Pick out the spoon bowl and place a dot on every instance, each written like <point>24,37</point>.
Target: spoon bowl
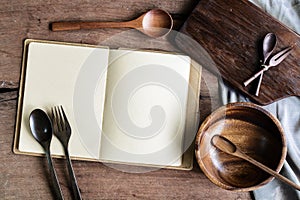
<point>154,23</point>
<point>41,127</point>
<point>269,44</point>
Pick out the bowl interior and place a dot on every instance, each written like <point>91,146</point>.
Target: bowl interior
<point>255,132</point>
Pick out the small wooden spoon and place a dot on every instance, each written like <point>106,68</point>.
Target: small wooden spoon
<point>154,23</point>
<point>227,146</point>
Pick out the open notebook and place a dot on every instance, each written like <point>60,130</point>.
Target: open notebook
<point>124,106</point>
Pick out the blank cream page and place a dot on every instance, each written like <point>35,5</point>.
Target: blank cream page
<point>145,107</point>
<point>52,75</point>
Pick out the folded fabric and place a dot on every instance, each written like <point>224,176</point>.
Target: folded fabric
<point>286,110</point>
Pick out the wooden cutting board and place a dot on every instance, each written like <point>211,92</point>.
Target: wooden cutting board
<point>229,36</point>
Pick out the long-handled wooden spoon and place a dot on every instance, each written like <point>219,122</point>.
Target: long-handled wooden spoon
<point>154,23</point>
<point>227,146</point>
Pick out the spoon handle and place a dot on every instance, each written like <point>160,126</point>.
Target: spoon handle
<point>73,180</point>
<point>67,26</point>
<point>53,175</point>
<point>259,84</point>
<point>266,169</point>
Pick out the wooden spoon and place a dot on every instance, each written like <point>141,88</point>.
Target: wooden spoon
<point>154,23</point>
<point>227,146</point>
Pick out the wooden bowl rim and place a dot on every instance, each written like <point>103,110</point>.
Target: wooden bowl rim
<point>224,108</point>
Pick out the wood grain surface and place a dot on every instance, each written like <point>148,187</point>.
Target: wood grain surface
<point>26,177</point>
<point>231,32</point>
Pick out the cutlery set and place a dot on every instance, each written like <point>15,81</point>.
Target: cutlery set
<point>269,45</point>
<point>42,128</point>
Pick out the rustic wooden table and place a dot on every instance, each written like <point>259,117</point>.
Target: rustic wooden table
<point>25,177</point>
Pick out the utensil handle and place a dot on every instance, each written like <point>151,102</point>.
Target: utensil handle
<point>56,186</point>
<point>259,84</point>
<point>270,171</point>
<point>73,180</point>
<point>67,26</point>
<point>253,77</point>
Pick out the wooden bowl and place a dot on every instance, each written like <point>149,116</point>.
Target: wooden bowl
<point>255,131</point>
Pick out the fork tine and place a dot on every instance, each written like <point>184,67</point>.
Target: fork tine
<point>59,116</point>
<point>280,56</point>
<point>58,119</point>
<point>65,119</point>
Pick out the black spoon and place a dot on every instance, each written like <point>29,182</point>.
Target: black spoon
<point>41,129</point>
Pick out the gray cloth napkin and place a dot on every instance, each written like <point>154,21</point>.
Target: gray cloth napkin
<point>286,110</point>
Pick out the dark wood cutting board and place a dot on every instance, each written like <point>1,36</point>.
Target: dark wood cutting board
<point>231,33</point>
